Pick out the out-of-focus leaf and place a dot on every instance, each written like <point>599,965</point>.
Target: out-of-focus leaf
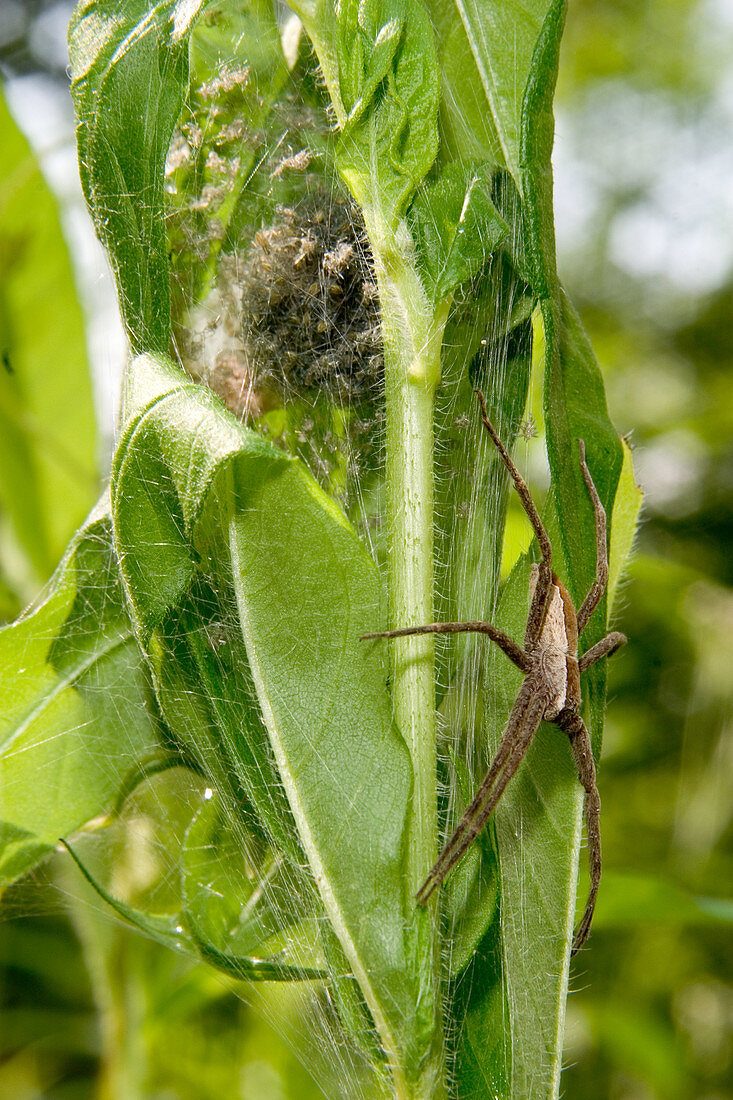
<point>629,899</point>
<point>48,472</point>
<point>74,703</point>
<point>643,1044</point>
<point>129,78</point>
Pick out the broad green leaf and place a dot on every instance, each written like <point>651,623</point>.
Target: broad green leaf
<point>380,66</point>
<point>455,226</point>
<point>74,709</point>
<point>322,695</point>
<point>196,495</point>
<point>187,619</point>
<point>48,471</point>
<point>489,51</point>
<point>129,78</point>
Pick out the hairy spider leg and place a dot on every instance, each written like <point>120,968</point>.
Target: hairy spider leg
<point>570,721</point>
<point>605,648</point>
<point>513,651</point>
<point>574,726</point>
<point>541,596</point>
<point>543,588</point>
<point>591,601</point>
<point>614,640</point>
<point>525,718</point>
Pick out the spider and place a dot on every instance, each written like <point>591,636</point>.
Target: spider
<point>550,690</point>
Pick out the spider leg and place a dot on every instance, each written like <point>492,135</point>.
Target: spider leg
<point>513,651</point>
<point>540,599</point>
<point>604,648</point>
<point>591,601</point>
<point>575,727</point>
<point>523,723</point>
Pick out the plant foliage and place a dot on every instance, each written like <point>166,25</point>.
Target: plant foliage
<point>207,616</point>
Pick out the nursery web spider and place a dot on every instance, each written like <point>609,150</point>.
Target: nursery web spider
<point>551,687</point>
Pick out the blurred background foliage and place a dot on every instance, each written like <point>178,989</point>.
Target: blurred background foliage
<point>644,159</point>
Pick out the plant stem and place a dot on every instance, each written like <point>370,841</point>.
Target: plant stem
<point>410,518</point>
<point>412,333</point>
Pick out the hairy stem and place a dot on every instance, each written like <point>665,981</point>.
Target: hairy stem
<point>412,334</point>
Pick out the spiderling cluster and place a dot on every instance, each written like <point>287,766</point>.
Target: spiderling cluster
<point>307,300</point>
<point>284,302</point>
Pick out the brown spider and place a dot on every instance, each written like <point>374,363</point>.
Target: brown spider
<point>551,687</point>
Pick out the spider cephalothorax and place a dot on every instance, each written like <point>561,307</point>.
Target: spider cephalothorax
<point>551,687</point>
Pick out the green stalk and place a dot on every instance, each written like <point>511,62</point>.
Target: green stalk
<point>412,332</point>
<point>409,407</point>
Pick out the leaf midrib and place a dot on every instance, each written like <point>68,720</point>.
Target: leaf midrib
<point>322,876</point>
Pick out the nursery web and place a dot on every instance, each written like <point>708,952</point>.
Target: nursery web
<point>276,309</point>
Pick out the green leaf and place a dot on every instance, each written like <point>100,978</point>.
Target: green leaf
<point>630,899</point>
<point>168,931</point>
<point>624,519</point>
<point>455,226</point>
<point>240,901</point>
<point>489,53</point>
<point>196,495</point>
<point>380,65</point>
<point>187,617</point>
<point>129,79</point>
<point>74,703</point>
<point>48,471</point>
<point>483,1052</point>
<point>323,698</point>
<point>207,694</point>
